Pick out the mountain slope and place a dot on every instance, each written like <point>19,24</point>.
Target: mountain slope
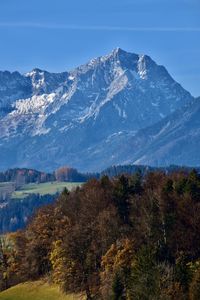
<point>175,140</point>
<point>70,117</point>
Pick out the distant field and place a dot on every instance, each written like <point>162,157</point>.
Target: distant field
<point>2,184</point>
<point>36,291</point>
<point>44,188</point>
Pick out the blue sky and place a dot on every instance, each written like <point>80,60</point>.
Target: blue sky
<point>58,35</point>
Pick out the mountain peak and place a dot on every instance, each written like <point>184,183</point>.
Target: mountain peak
<point>35,71</point>
<point>118,51</point>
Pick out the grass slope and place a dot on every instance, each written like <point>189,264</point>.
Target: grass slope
<point>3,184</point>
<point>37,290</point>
<point>43,188</point>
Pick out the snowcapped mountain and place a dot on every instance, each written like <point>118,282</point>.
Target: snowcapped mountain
<point>78,117</point>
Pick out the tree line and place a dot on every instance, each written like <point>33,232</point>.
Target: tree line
<point>23,176</point>
<point>66,173</point>
<point>129,237</point>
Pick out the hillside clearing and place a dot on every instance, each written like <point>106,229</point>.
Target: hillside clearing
<point>36,291</point>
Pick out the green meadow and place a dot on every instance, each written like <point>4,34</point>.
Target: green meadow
<point>44,188</point>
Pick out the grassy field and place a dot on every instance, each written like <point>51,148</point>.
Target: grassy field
<point>44,188</point>
<point>36,291</point>
<point>3,184</point>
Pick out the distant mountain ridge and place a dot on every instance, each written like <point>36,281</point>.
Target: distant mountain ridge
<point>85,117</point>
<point>174,140</point>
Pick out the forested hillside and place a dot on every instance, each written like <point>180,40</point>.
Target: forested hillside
<point>15,213</point>
<point>23,190</point>
<point>23,175</point>
<point>130,237</point>
<point>143,170</point>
